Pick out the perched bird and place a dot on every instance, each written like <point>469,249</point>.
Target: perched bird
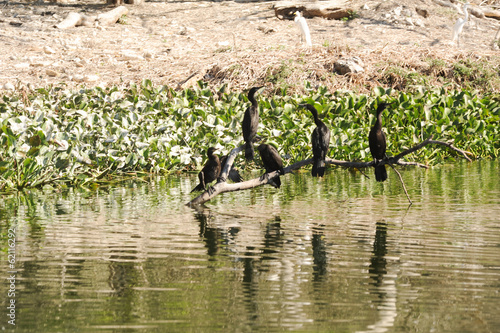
<point>301,23</point>
<point>234,174</point>
<point>272,162</point>
<point>250,123</point>
<point>459,25</point>
<point>320,140</point>
<point>210,171</point>
<point>376,139</point>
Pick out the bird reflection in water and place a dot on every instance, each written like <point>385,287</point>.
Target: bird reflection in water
<point>272,240</point>
<point>257,260</point>
<point>378,261</point>
<point>319,253</point>
<point>214,237</point>
<point>384,284</point>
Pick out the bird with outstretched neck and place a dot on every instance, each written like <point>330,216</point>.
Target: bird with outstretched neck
<point>376,139</point>
<point>459,25</point>
<point>305,34</point>
<point>320,140</point>
<point>210,171</point>
<point>272,162</point>
<point>250,123</point>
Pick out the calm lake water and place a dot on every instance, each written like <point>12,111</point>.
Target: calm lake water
<point>341,254</point>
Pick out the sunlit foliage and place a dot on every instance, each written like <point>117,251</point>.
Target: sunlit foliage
<point>67,137</point>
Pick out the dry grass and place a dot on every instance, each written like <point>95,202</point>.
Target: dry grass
<point>243,44</point>
<point>384,66</point>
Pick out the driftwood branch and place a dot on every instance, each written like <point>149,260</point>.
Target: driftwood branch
<point>75,19</point>
<point>222,186</point>
<point>72,20</point>
<point>112,16</point>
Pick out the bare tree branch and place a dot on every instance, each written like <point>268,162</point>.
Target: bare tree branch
<point>413,163</point>
<point>395,159</point>
<point>464,153</point>
<point>222,186</point>
<point>402,183</point>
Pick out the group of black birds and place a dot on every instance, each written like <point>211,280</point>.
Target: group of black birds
<point>270,157</point>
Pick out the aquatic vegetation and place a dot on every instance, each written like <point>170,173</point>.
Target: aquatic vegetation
<point>61,137</point>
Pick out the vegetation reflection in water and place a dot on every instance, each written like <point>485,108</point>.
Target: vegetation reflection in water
<point>338,254</point>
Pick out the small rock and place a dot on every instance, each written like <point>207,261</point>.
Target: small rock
<point>78,78</point>
<point>40,63</point>
<point>9,86</point>
<point>130,56</point>
<point>407,13</point>
<point>266,30</point>
<point>79,62</point>
<point>418,22</point>
<point>22,65</point>
<point>91,78</point>
<point>48,50</point>
<point>51,73</point>
<point>351,65</point>
<point>365,7</point>
<point>422,12</point>
<point>148,55</point>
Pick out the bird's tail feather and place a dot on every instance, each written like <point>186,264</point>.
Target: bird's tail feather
<point>380,173</point>
<point>198,187</point>
<point>249,153</point>
<point>235,176</point>
<point>276,181</point>
<point>318,169</point>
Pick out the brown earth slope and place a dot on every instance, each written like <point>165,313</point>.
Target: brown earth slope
<point>242,44</point>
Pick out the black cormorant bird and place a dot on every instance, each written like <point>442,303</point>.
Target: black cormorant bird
<point>234,174</point>
<point>320,140</point>
<point>250,123</point>
<point>377,144</point>
<point>210,171</point>
<point>272,162</point>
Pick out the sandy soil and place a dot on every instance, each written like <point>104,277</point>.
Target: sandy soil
<point>226,42</point>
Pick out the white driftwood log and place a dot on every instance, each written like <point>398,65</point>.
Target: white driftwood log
<point>112,16</point>
<point>333,9</point>
<point>72,20</point>
<point>491,13</point>
<point>75,19</point>
<point>222,186</point>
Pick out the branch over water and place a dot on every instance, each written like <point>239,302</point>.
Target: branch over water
<point>222,186</point>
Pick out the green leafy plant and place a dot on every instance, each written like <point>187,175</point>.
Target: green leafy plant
<point>77,138</point>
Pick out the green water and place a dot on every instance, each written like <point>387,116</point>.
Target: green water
<point>342,254</point>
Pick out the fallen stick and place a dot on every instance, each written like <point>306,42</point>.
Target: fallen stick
<point>75,19</point>
<point>72,20</point>
<point>112,16</point>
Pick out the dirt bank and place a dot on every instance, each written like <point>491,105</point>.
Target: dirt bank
<point>241,44</point>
